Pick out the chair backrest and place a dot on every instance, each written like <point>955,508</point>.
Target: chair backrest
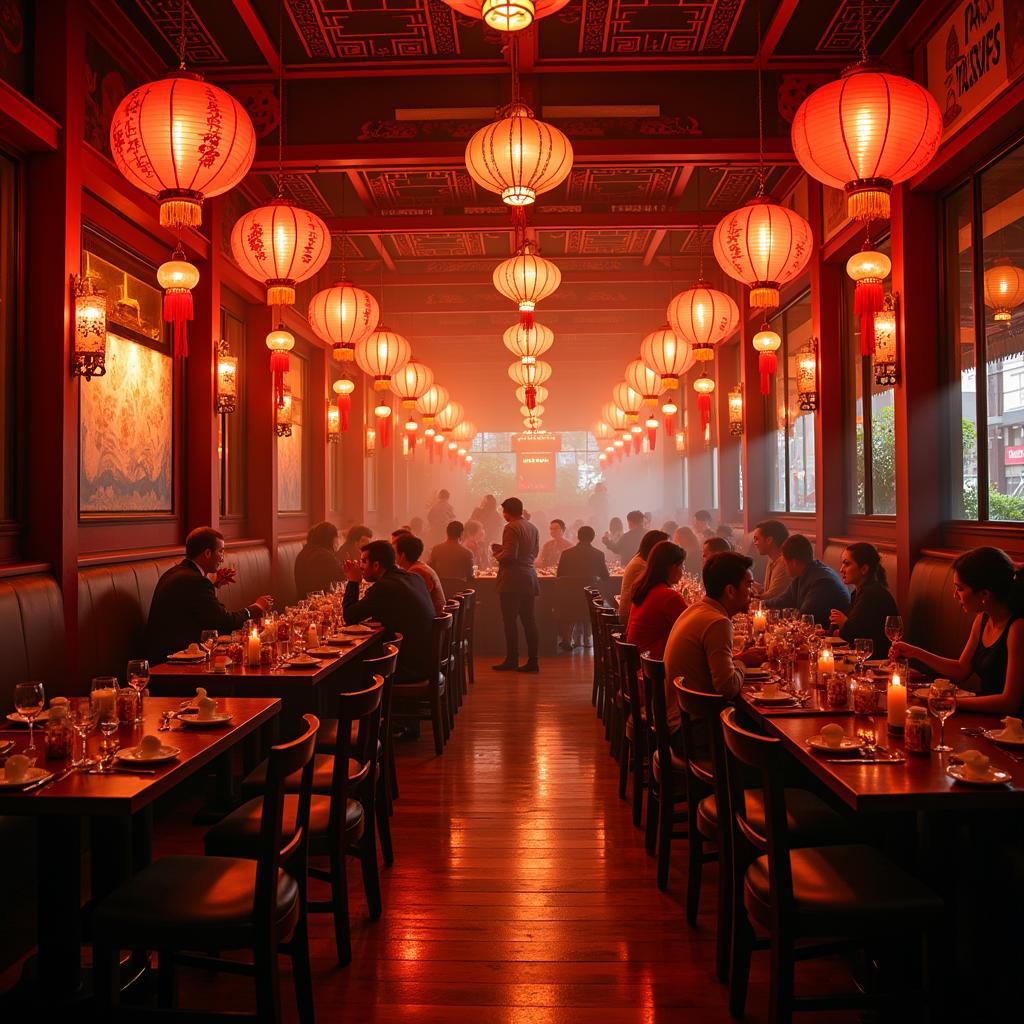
<point>275,851</point>
<point>657,710</point>
<point>440,645</point>
<point>764,755</point>
<point>454,607</point>
<point>362,709</point>
<point>452,584</point>
<point>467,598</point>
<point>384,666</point>
<point>629,685</point>
<point>694,707</point>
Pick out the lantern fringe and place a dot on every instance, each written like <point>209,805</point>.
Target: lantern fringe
<point>672,383</point>
<point>867,301</point>
<point>766,364</point>
<point>638,443</point>
<point>670,425</point>
<point>704,408</point>
<point>384,430</point>
<point>280,295</point>
<point>181,213</point>
<point>344,407</point>
<point>342,353</point>
<point>379,384</point>
<point>531,397</point>
<point>278,368</point>
<point>410,436</point>
<point>652,436</point>
<point>868,204</point>
<point>764,296</point>
<point>178,310</point>
<point>526,319</point>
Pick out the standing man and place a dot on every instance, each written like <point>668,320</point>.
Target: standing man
<point>629,543</point>
<point>517,586</point>
<point>552,550</point>
<point>440,515</point>
<point>769,536</point>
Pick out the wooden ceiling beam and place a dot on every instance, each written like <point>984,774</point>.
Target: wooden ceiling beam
<point>258,31</point>
<point>774,32</point>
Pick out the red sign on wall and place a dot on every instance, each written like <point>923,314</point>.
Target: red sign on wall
<point>1014,454</point>
<point>535,471</point>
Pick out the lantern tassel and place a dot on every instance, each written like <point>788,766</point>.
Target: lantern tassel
<point>531,397</point>
<point>704,408</point>
<point>638,443</point>
<point>278,368</point>
<point>652,437</point>
<point>178,311</point>
<point>469,467</point>
<point>670,425</point>
<point>767,364</point>
<point>867,301</point>
<point>384,430</point>
<point>344,407</point>
<point>526,319</point>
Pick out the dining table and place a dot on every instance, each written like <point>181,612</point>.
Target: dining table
<point>117,807</point>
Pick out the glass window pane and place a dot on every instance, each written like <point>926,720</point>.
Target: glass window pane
<point>883,452</point>
<point>800,424</point>
<point>775,428</point>
<point>231,432</point>
<point>8,309</point>
<point>959,275</point>
<point>853,402</point>
<point>290,476</point>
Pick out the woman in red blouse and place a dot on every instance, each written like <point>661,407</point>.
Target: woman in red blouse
<point>656,603</point>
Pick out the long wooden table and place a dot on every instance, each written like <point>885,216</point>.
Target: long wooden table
<point>115,805</point>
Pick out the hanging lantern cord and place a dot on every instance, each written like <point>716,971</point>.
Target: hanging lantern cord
<point>280,104</point>
<point>760,110</point>
<point>863,36</point>
<point>181,36</point>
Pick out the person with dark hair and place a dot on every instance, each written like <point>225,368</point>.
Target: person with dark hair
<point>440,515</point>
<point>689,542</point>
<point>316,565</point>
<point>714,546</point>
<point>635,569</point>
<point>488,516</point>
<point>398,600</point>
<point>416,526</point>
<point>185,599</point>
<point>517,586</point>
<point>769,536</point>
<point>400,531</point>
<point>815,588</point>
<point>656,604</point>
<point>699,648</point>
<point>583,561</point>
<point>991,589</point>
<point>408,550</point>
<point>451,558</point>
<point>476,544</point>
<point>629,543</point>
<point>356,537</point>
<point>552,550</point>
<point>726,531</point>
<point>873,603</point>
<point>702,524</point>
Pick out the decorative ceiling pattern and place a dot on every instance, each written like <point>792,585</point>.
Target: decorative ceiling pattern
<point>843,32</point>
<point>638,27</point>
<point>614,184</point>
<point>596,242</point>
<point>169,17</point>
<point>447,187</point>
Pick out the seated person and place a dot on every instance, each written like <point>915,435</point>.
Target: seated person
<point>552,550</point>
<point>714,546</point>
<point>398,600</point>
<point>583,561</point>
<point>992,661</point>
<point>873,602</point>
<point>185,599</point>
<point>687,540</point>
<point>815,588</point>
<point>356,537</point>
<point>317,565</point>
<point>699,647</point>
<point>408,550</point>
<point>769,536</point>
<point>476,544</point>
<point>656,604</point>
<point>702,524</point>
<point>451,559</point>
<point>635,569</point>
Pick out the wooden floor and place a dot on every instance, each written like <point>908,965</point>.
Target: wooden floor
<point>521,892</point>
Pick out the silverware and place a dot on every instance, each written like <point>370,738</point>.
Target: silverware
<point>892,759</point>
<point>975,732</point>
<point>53,778</point>
<point>123,768</point>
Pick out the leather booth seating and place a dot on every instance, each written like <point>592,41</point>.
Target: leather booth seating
<point>284,578</point>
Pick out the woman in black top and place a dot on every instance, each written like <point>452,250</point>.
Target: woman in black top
<point>317,565</point>
<point>992,662</point>
<point>873,602</point>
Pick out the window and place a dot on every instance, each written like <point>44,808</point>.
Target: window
<point>790,429</point>
<point>231,426</point>
<point>984,288</point>
<point>871,483</point>
<point>8,331</point>
<point>577,468</point>
<point>291,450</point>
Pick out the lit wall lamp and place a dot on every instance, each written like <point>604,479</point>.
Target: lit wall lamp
<point>89,352</point>
<point>226,400</point>
<point>680,442</point>
<point>371,441</point>
<point>886,358</point>
<point>333,422</point>
<point>807,376</point>
<point>283,414</point>
<point>736,410</point>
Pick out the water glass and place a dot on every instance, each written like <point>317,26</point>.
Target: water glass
<point>894,628</point>
<point>208,640</point>
<point>942,704</point>
<point>29,700</point>
<point>138,680</point>
<point>862,649</point>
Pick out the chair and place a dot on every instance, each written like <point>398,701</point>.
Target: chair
<point>470,641</point>
<point>634,754</point>
<point>453,607</point>
<point>467,598</point>
<point>338,818</point>
<point>666,787</point>
<point>569,607</point>
<point>180,905</point>
<point>594,603</point>
<point>427,698</point>
<point>452,585</point>
<point>607,621</point>
<point>843,896</point>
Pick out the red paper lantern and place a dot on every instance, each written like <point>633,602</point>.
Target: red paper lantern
<point>767,343</point>
<point>667,352</point>
<point>381,355</point>
<point>178,277</point>
<point>705,387</point>
<point>181,140</point>
<point>280,342</point>
<point>526,278</point>
<point>703,317</point>
<point>864,133</point>
<point>343,315</point>
<point>529,376</point>
<point>869,269</point>
<point>343,388</point>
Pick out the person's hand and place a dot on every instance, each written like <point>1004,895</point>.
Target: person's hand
<point>899,649</point>
<point>753,656</point>
<point>837,618</point>
<point>495,548</point>
<point>264,603</point>
<point>353,570</point>
<point>225,574</point>
<point>756,589</point>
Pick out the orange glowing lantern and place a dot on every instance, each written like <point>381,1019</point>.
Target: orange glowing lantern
<point>868,269</point>
<point>343,315</point>
<point>703,317</point>
<point>178,277</point>
<point>526,279</point>
<point>381,355</point>
<point>668,353</point>
<point>1004,289</point>
<point>767,343</point>
<point>529,376</point>
<point>541,394</point>
<point>507,15</point>
<point>411,382</point>
<point>705,387</point>
<point>628,400</point>
<point>280,342</point>
<point>528,343</point>
<point>343,388</point>
<point>640,377</point>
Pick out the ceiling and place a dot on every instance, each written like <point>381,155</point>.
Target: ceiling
<point>659,100</point>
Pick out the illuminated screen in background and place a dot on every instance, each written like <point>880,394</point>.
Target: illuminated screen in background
<point>535,471</point>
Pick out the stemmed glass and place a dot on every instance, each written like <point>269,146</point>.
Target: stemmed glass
<point>942,704</point>
<point>104,699</point>
<point>208,639</point>
<point>82,718</point>
<point>894,628</point>
<point>862,648</point>
<point>29,699</point>
<point>138,680</point>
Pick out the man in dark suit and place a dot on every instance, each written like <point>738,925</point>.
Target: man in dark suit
<point>583,561</point>
<point>629,543</point>
<point>185,599</point>
<point>398,600</point>
<point>517,586</point>
<point>450,559</point>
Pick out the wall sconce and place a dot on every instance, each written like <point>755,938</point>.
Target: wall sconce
<point>333,422</point>
<point>807,376</point>
<point>735,399</point>
<point>89,352</point>
<point>680,442</point>
<point>226,399</point>
<point>371,441</point>
<point>283,414</point>
<point>886,359</point>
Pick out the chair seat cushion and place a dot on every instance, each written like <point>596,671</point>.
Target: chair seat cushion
<point>327,736</point>
<point>191,903</point>
<point>237,835</point>
<point>842,889</point>
<point>678,765</point>
<point>811,821</point>
<point>323,768</point>
<point>419,689</point>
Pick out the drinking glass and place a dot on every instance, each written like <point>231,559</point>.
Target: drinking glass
<point>82,717</point>
<point>29,699</point>
<point>942,704</point>
<point>894,628</point>
<point>300,631</point>
<point>104,698</point>
<point>138,680</point>
<point>862,649</point>
<point>208,640</point>
<point>808,623</point>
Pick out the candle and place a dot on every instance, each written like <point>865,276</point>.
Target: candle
<point>760,622</point>
<point>252,650</point>
<point>311,640</point>
<point>895,703</point>
<point>826,662</point>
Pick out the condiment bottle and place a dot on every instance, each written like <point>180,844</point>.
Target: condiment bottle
<point>58,731</point>
<point>917,731</point>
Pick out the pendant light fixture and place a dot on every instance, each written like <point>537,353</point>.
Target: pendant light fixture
<point>528,343</point>
<point>280,342</point>
<point>343,388</point>
<point>767,343</point>
<point>869,269</point>
<point>668,353</point>
<point>526,279</point>
<point>628,400</point>
<point>641,378</point>
<point>541,394</point>
<point>705,388</point>
<point>381,355</point>
<point>1004,289</point>
<point>343,315</point>
<point>507,15</point>
<point>529,376</point>
<point>178,277</point>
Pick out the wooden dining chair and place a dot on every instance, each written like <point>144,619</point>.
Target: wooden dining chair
<point>453,607</point>
<point>184,905</point>
<point>424,699</point>
<point>594,605</point>
<point>608,622</point>
<point>341,820</point>
<point>470,634</point>
<point>815,900</point>
<point>634,757</point>
<point>467,598</point>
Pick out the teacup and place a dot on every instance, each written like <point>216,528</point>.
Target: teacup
<point>832,735</point>
<point>207,709</point>
<point>17,767</point>
<point>770,690</point>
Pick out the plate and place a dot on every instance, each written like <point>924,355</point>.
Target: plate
<point>780,698</point>
<point>301,664</point>
<point>848,745</point>
<point>336,640</point>
<point>356,630</point>
<point>192,722</point>
<point>32,775</point>
<point>19,719</point>
<point>995,735</point>
<point>921,693</point>
<point>186,658</point>
<point>323,652</point>
<point>131,755</point>
<point>995,777</point>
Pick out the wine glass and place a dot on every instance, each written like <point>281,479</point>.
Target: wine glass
<point>29,699</point>
<point>104,699</point>
<point>942,704</point>
<point>862,648</point>
<point>300,632</point>
<point>138,680</point>
<point>82,719</point>
<point>894,628</point>
<point>208,640</point>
